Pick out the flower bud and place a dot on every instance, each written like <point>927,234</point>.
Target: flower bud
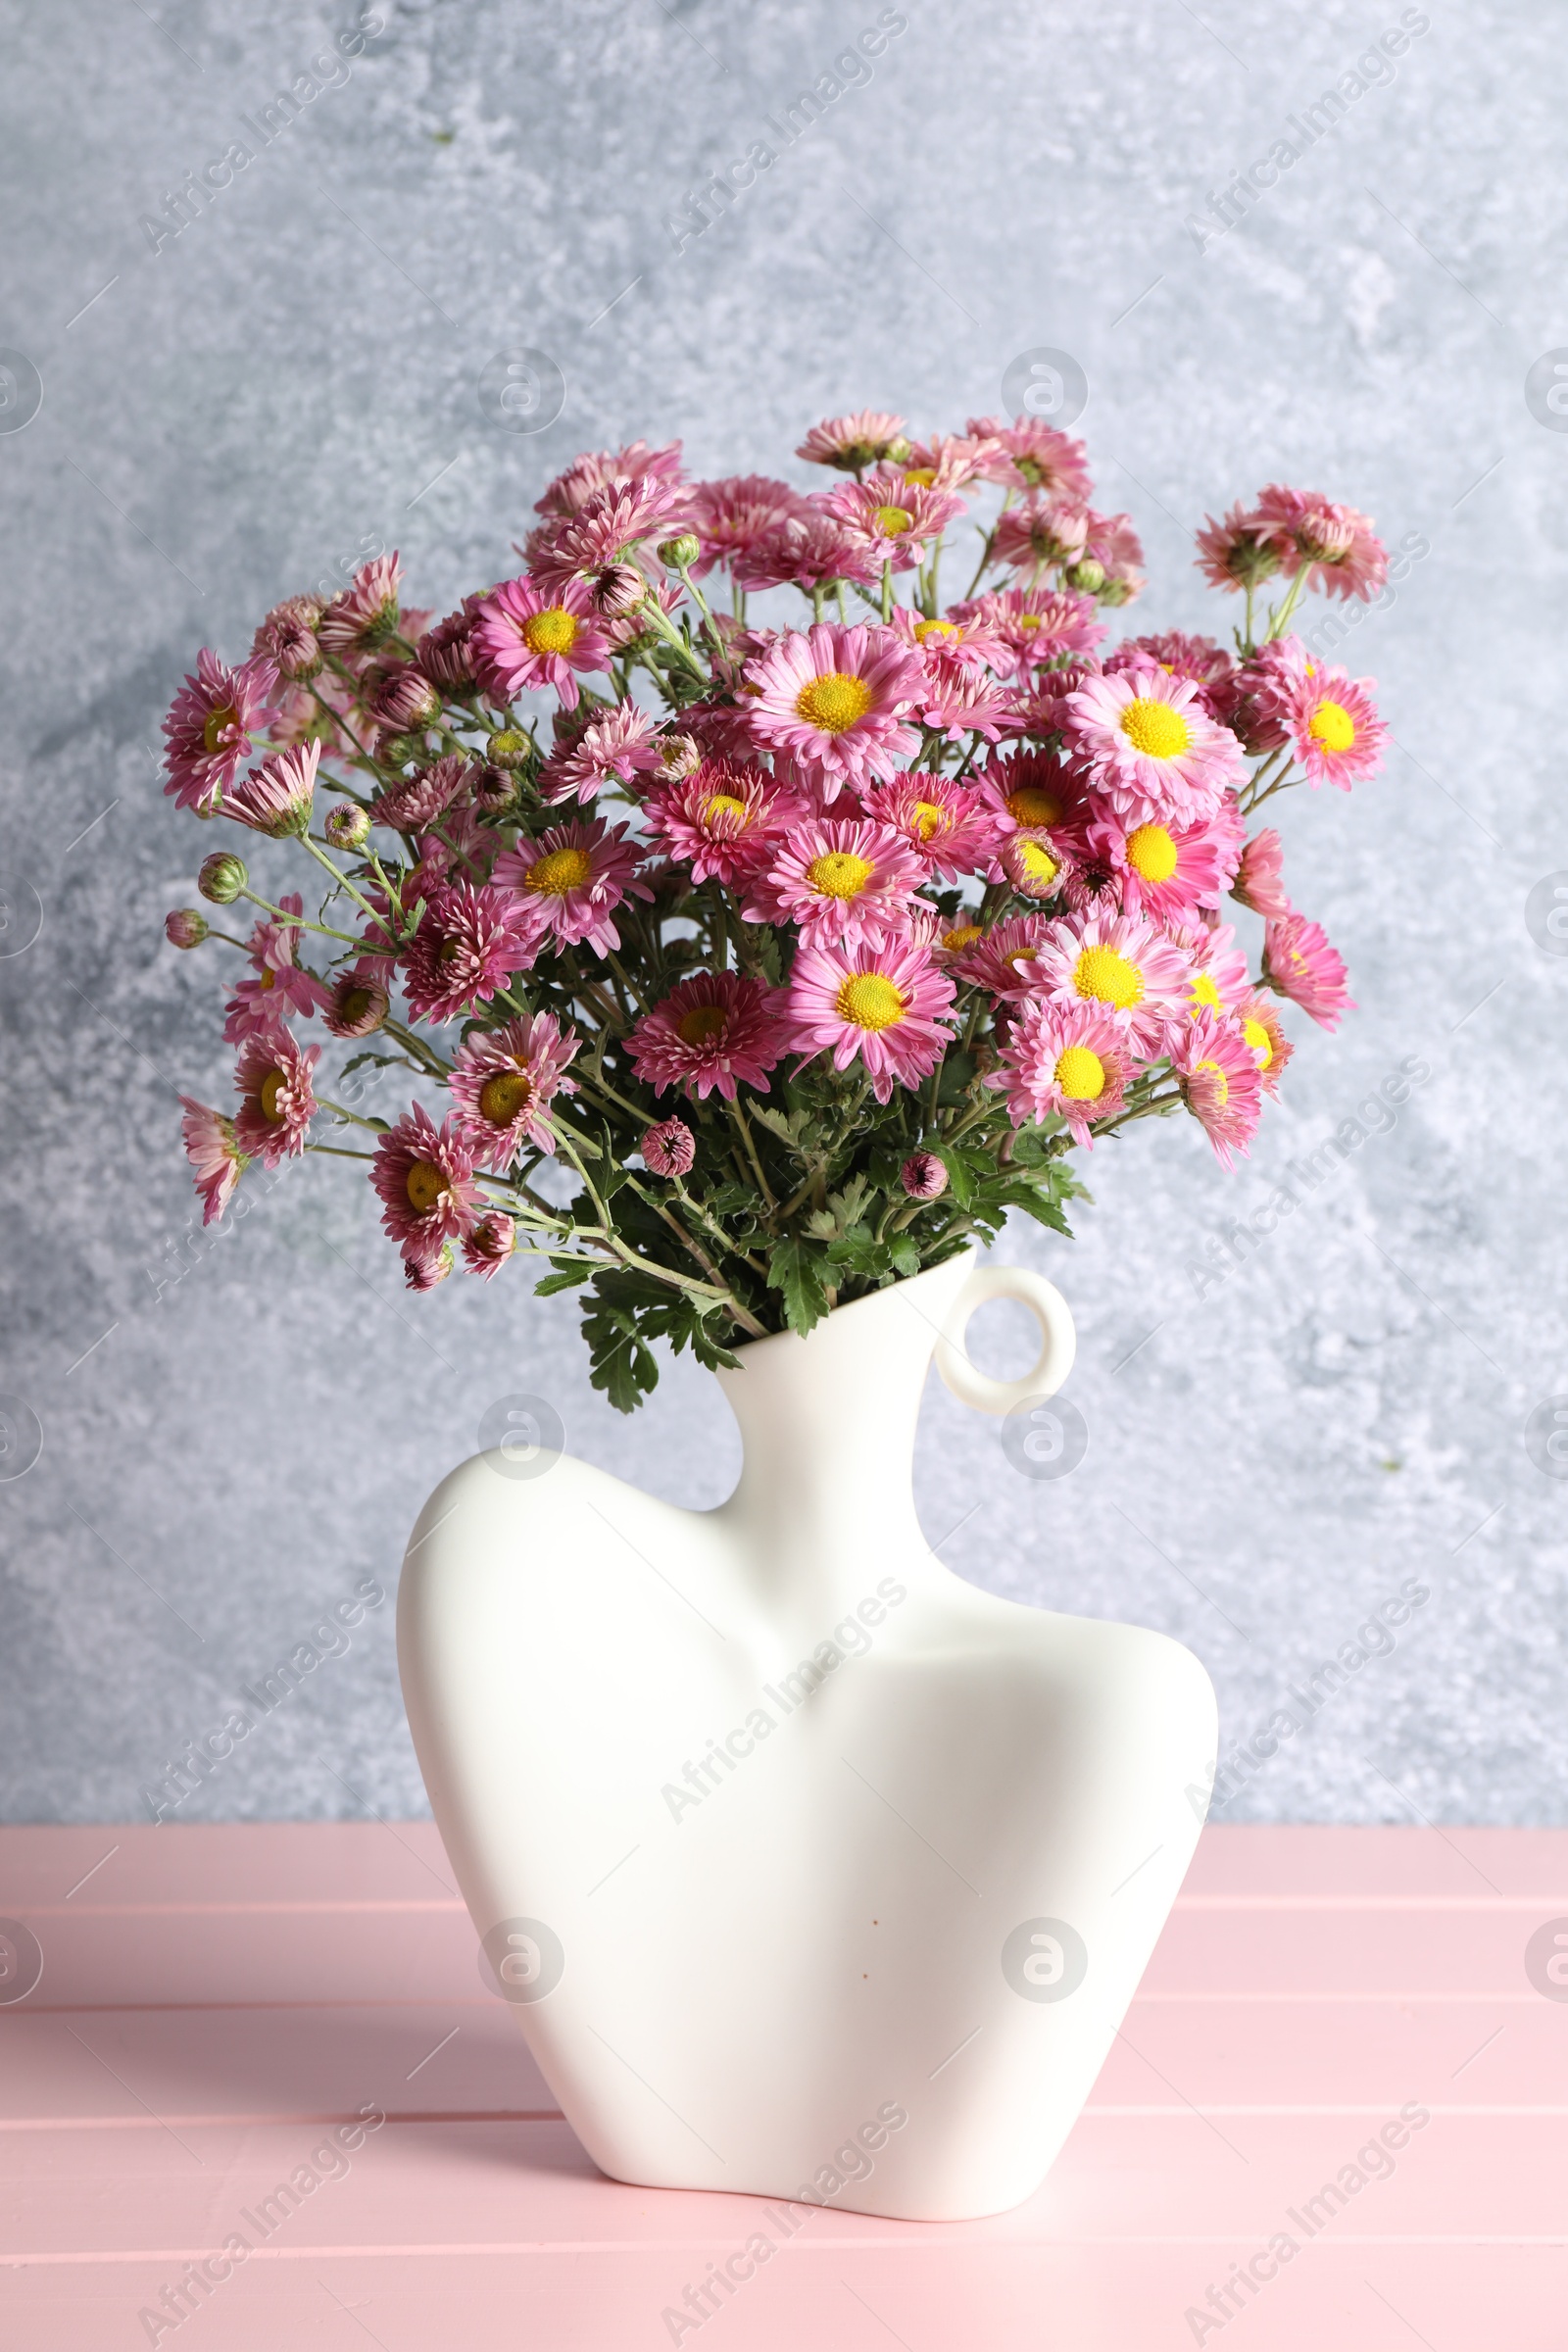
<point>923,1176</point>
<point>358,1007</point>
<point>1029,866</point>
<point>682,757</point>
<point>346,826</point>
<point>682,552</point>
<point>495,790</point>
<point>400,751</point>
<point>222,877</point>
<point>406,701</point>
<point>185,927</point>
<point>1087,575</point>
<point>620,587</point>
<point>669,1148</point>
<point>512,748</point>
<point>423,1273</point>
<point>899,451</point>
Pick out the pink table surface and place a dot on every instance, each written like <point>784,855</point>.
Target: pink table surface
<point>215,1999</point>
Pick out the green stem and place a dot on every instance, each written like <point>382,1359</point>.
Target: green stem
<point>343,882</point>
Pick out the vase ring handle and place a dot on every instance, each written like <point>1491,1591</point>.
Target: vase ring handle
<point>1059,1340</point>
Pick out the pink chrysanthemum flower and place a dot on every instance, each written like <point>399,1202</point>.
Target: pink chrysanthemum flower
<point>1217,978</point>
<point>806,550</point>
<point>365,614</point>
<point>1334,727</point>
<point>948,825</point>
<point>445,652</point>
<point>280,984</point>
<point>1041,702</point>
<point>1200,658</point>
<point>1034,456</point>
<point>1259,877</point>
<point>596,469</point>
<point>276,798</point>
<point>504,1083</point>
<point>837,878</point>
<point>891,518</point>
<point>1064,1061</point>
<point>609,525</point>
<point>1034,864</point>
<point>1030,792</point>
<point>962,635</point>
<point>1152,748</point>
<point>1036,625</point>
<point>527,636</point>
<point>210,727</point>
<point>361,1001</point>
<point>1119,964</point>
<point>287,638</point>
<point>668,1149</point>
<point>725,818</point>
<point>1220,1083</point>
<point>1342,553</point>
<point>731,517</point>
<point>836,700</point>
<point>1040,531</point>
<point>713,1030</point>
<point>420,800</point>
<point>883,1001</point>
<point>1300,963</point>
<point>950,461</point>
<point>573,878</point>
<point>278,1100</point>
<point>214,1152</point>
<point>614,748</point>
<point>472,939</point>
<point>486,1250</point>
<point>998,959</point>
<point>852,443</point>
<point>1238,552</point>
<point>958,700</point>
<point>421,1274</point>
<point>1271,1047</point>
<point>1168,873</point>
<point>424,1177</point>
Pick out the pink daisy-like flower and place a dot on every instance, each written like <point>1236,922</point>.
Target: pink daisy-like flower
<point>1064,1061</point>
<point>837,878</point>
<point>960,701</point>
<point>1238,552</point>
<point>596,469</point>
<point>1169,873</point>
<point>1300,963</point>
<point>445,652</point>
<point>471,941</point>
<point>1034,456</point>
<point>713,1030</point>
<point>806,550</point>
<point>1342,553</point>
<point>526,635</point>
<point>1152,748</point>
<point>948,825</point>
<point>486,1250</point>
<point>280,984</point>
<point>1200,658</point>
<point>609,525</point>
<point>214,1152</point>
<point>892,518</point>
<point>668,1149</point>
<point>1036,625</point>
<point>1220,1083</point>
<point>836,700</point>
<point>365,614</point>
<point>1118,964</point>
<point>1040,531</point>
<point>278,1100</point>
<point>505,1080</point>
<point>1041,702</point>
<point>852,443</point>
<point>571,878</point>
<point>1259,877</point>
<point>883,1001</point>
<point>998,959</point>
<point>211,724</point>
<point>287,638</point>
<point>417,803</point>
<point>726,819</point>
<point>614,748</point>
<point>950,461</point>
<point>963,635</point>
<point>276,798</point>
<point>1334,727</point>
<point>1030,792</point>
<point>1271,1047</point>
<point>1034,864</point>
<point>424,1177</point>
<point>732,517</point>
<point>1217,978</point>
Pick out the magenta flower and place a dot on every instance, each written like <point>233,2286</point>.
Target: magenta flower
<point>1169,873</point>
<point>1239,553</point>
<point>278,1100</point>
<point>214,1152</point>
<point>836,700</point>
<point>726,819</point>
<point>1220,1083</point>
<point>732,517</point>
<point>838,879</point>
<point>852,443</point>
<point>360,1000</point>
<point>947,825</point>
<point>1067,1061</point>
<point>1334,727</point>
<point>504,1083</point>
<point>472,939</point>
<point>280,984</point>
<point>713,1030</point>
<point>486,1250</point>
<point>1341,552</point>
<point>423,1273</point>
<point>287,638</point>
<point>883,1001</point>
<point>527,636</point>
<point>1271,1047</point>
<point>596,469</point>
<point>1031,455</point>
<point>806,550</point>
<point>1300,963</point>
<point>1259,877</point>
<point>961,636</point>
<point>420,800</point>
<point>365,614</point>
<point>1030,792</point>
<point>1217,978</point>
<point>571,878</point>
<point>998,959</point>
<point>445,652</point>
<point>1116,548</point>
<point>1200,658</point>
<point>669,1148</point>
<point>424,1177</point>
<point>891,519</point>
<point>608,525</point>
<point>210,727</point>
<point>615,749</point>
<point>1118,964</point>
<point>1030,625</point>
<point>1152,748</point>
<point>1040,531</point>
<point>276,798</point>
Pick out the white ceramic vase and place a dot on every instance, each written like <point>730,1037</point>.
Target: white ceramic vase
<point>812,1871</point>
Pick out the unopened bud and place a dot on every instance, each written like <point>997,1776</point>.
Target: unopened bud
<point>1087,575</point>
<point>897,452</point>
<point>512,748</point>
<point>682,757</point>
<point>185,927</point>
<point>669,1148</point>
<point>346,826</point>
<point>407,699</point>
<point>1029,866</point>
<point>222,877</point>
<point>923,1176</point>
<point>620,588</point>
<point>682,552</point>
<point>401,750</point>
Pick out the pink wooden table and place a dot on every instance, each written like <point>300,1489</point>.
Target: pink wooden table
<point>215,2002</point>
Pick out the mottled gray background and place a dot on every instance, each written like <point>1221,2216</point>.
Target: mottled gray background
<point>294,377</point>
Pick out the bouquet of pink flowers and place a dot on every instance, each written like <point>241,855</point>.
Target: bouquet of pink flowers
<point>763,957</point>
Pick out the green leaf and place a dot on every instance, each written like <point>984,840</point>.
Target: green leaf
<point>794,1270</point>
<point>564,1280</point>
<point>903,1255</point>
<point>959,1176</point>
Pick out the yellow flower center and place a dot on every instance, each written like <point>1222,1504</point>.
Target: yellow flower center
<point>1204,992</point>
<point>925,630</point>
<point>559,871</point>
<point>839,874</point>
<point>1222,1085</point>
<point>1033,804</point>
<point>1151,853</point>
<point>964,936</point>
<point>723,803</point>
<point>870,1000</point>
<point>268,978</point>
<point>702,1024</point>
<point>1080,1074</point>
<point>216,725</point>
<point>891,521</point>
<point>1156,729</point>
<point>925,475</point>
<point>503,1097</point>
<point>929,820</point>
<point>1108,978</point>
<point>1258,1037</point>
<point>553,631</point>
<point>1038,866</point>
<point>272,1086</point>
<point>833,702</point>
<point>424,1185</point>
<point>1331,726</point>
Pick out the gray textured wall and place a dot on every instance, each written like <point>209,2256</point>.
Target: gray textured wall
<point>295,375</point>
